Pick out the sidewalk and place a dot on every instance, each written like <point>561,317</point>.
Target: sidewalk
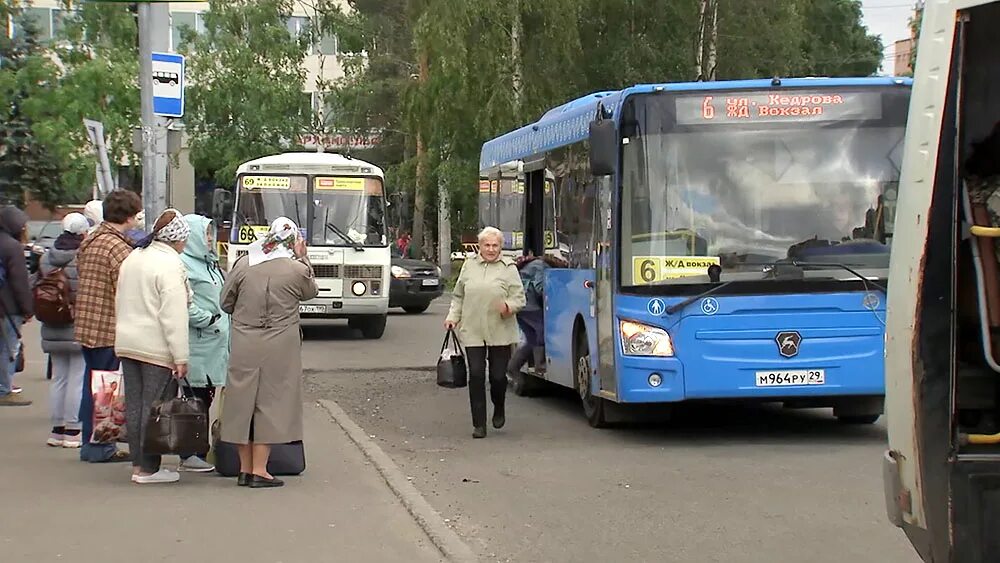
<point>56,508</point>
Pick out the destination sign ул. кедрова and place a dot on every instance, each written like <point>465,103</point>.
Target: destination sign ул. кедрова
<point>751,107</point>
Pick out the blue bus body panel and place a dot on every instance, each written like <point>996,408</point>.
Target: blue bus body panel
<point>570,122</point>
<point>718,354</point>
<point>567,300</point>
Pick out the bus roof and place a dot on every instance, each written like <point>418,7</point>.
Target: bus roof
<point>337,162</point>
<point>570,122</point>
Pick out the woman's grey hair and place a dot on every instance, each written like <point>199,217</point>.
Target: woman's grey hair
<point>490,232</point>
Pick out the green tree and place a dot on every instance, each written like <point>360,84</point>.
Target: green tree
<point>835,42</point>
<point>27,162</point>
<point>245,96</point>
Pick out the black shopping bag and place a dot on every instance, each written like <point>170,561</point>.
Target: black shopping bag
<point>451,368</point>
<point>177,425</point>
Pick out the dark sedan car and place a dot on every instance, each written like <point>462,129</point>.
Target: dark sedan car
<point>415,284</point>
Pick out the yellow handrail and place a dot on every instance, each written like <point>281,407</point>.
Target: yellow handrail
<point>980,439</point>
<point>988,232</point>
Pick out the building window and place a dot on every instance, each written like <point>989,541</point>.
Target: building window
<point>41,17</point>
<point>298,26</point>
<point>179,21</point>
<point>328,44</point>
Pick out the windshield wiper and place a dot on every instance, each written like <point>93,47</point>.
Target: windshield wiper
<point>340,233</point>
<point>777,264</point>
<point>678,306</point>
<point>841,266</point>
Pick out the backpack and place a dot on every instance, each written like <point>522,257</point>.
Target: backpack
<point>53,304</point>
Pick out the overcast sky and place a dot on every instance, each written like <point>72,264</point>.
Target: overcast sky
<point>888,19</point>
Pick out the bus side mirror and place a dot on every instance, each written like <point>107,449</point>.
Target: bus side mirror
<point>603,147</point>
<point>222,204</point>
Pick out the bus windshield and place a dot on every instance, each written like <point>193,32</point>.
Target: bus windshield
<point>740,180</point>
<point>354,206</point>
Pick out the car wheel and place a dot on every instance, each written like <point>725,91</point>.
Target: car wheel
<point>416,309</point>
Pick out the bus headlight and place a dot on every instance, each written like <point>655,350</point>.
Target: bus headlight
<point>644,340</point>
<point>359,288</point>
<point>399,272</point>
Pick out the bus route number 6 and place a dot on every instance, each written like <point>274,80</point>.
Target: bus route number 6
<point>707,109</point>
<point>648,270</point>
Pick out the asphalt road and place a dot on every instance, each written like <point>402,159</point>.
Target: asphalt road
<point>715,484</point>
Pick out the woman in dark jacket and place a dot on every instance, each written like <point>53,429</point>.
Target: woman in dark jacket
<point>64,352</point>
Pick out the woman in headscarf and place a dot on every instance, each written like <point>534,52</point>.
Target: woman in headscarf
<point>94,212</point>
<point>58,341</point>
<point>208,324</point>
<point>264,391</point>
<point>151,333</point>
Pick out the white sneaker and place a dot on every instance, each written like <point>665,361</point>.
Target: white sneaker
<point>195,464</point>
<point>161,476</point>
<point>72,441</point>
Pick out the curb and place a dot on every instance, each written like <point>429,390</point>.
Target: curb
<point>430,520</point>
<point>313,371</point>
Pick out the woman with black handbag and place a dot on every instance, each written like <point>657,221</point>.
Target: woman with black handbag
<point>151,334</point>
<point>487,295</point>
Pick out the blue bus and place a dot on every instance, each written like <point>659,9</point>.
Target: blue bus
<point>725,240</point>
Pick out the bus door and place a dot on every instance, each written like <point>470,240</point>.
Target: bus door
<point>603,232</point>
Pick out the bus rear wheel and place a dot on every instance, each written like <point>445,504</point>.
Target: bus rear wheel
<point>593,407</point>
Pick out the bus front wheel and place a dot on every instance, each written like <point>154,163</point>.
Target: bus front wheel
<point>372,327</point>
<point>593,407</point>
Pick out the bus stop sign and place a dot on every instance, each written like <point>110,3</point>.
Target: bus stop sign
<point>168,84</point>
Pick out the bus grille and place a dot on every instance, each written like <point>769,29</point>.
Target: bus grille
<point>363,272</point>
<point>326,270</point>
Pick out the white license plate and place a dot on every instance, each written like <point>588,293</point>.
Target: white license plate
<point>430,282</point>
<point>783,378</point>
<point>312,308</point>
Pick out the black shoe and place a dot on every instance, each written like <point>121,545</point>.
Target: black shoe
<point>243,479</point>
<point>479,432</point>
<point>498,419</point>
<point>258,482</point>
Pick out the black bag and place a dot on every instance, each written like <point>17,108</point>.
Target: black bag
<point>285,459</point>
<point>177,425</point>
<point>451,370</point>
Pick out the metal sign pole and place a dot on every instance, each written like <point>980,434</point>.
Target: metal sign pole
<point>154,35</point>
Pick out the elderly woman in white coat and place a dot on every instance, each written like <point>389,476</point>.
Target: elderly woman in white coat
<point>263,403</point>
<point>151,333</point>
<point>487,295</point>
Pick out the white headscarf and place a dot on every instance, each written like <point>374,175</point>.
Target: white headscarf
<point>75,223</point>
<point>94,212</point>
<point>278,243</point>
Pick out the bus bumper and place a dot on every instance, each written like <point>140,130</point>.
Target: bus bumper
<point>316,311</point>
<point>677,384</point>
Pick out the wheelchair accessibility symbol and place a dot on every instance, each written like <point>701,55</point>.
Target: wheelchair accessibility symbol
<point>709,306</point>
<point>655,307</point>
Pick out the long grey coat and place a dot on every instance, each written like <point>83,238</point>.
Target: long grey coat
<point>265,366</point>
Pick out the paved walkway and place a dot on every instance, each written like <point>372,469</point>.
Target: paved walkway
<point>55,508</point>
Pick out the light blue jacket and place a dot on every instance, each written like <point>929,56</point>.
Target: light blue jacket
<point>207,322</point>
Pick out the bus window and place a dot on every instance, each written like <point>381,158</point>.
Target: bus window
<point>352,205</point>
<point>263,198</point>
